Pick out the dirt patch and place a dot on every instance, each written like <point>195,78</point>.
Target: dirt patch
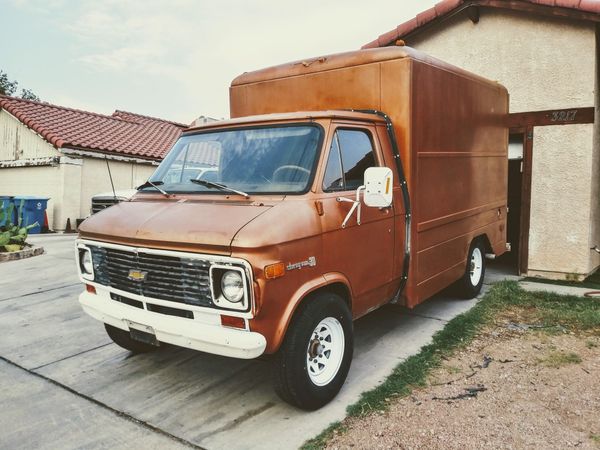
<point>512,387</point>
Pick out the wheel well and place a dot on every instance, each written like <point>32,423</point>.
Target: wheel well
<point>337,288</point>
<point>340,289</point>
<point>486,242</point>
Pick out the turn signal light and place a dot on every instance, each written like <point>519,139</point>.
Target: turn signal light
<point>233,322</point>
<point>275,270</point>
<point>91,289</point>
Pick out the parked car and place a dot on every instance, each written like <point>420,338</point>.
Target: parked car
<point>321,209</point>
<point>106,199</point>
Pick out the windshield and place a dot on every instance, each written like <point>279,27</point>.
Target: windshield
<point>274,160</point>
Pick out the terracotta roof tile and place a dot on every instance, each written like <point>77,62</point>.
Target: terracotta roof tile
<point>447,6</point>
<point>123,132</point>
<point>406,27</point>
<point>386,38</point>
<point>573,4</point>
<point>590,5</point>
<point>426,16</point>
<point>373,44</point>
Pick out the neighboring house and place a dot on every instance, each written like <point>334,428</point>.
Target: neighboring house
<point>202,120</point>
<point>546,52</point>
<point>62,153</point>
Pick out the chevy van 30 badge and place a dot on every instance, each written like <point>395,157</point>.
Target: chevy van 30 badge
<point>310,262</point>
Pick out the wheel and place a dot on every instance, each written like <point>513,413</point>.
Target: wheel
<point>313,361</point>
<point>471,282</point>
<point>123,339</point>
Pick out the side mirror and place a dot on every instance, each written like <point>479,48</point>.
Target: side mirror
<point>379,182</point>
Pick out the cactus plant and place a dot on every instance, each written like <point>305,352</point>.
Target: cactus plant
<point>13,236</point>
<point>6,213</point>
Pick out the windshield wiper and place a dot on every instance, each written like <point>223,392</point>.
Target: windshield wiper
<point>154,184</point>
<point>222,187</point>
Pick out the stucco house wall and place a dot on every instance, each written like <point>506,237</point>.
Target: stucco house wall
<point>43,181</point>
<point>17,141</point>
<point>546,63</point>
<point>29,165</point>
<point>125,175</point>
<point>595,195</point>
<point>561,199</point>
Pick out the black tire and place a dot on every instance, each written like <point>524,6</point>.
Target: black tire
<point>466,287</point>
<point>124,340</point>
<point>292,380</point>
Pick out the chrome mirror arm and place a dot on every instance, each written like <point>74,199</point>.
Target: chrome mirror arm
<point>356,204</point>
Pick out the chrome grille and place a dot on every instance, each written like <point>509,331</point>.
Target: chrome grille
<point>98,204</point>
<point>181,280</point>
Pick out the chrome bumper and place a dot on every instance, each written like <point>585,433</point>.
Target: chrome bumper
<point>206,336</point>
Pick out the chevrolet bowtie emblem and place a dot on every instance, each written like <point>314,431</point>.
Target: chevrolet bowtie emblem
<point>137,275</point>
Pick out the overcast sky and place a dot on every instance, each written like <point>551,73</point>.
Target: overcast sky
<point>174,59</point>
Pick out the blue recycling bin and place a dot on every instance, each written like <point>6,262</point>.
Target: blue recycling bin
<point>6,200</point>
<point>34,210</point>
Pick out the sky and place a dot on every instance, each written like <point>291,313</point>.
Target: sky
<point>174,59</point>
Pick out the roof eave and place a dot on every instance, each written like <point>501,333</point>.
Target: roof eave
<point>107,154</point>
<point>588,10</point>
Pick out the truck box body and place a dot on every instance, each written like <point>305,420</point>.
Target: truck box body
<point>449,125</point>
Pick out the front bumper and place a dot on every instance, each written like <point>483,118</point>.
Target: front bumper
<point>205,335</point>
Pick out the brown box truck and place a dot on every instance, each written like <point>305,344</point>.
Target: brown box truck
<point>341,183</point>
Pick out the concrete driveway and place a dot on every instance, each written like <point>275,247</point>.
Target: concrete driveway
<point>65,385</point>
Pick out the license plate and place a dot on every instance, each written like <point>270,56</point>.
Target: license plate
<point>142,333</point>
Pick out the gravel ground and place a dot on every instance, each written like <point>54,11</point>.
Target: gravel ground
<point>510,389</point>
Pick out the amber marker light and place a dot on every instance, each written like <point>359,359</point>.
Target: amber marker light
<point>91,289</point>
<point>233,322</point>
<point>275,270</point>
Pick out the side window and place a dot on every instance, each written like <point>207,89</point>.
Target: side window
<point>354,150</point>
<point>333,181</point>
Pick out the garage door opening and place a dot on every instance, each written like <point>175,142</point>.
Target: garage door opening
<point>510,262</point>
<point>515,188</point>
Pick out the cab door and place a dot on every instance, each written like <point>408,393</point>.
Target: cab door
<point>362,253</point>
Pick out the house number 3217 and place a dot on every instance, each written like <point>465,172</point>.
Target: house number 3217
<point>564,116</point>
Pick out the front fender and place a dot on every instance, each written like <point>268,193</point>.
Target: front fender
<point>296,300</point>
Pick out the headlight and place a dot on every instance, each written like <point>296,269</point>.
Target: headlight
<point>229,287</point>
<point>86,262</point>
<point>232,286</point>
<point>86,265</point>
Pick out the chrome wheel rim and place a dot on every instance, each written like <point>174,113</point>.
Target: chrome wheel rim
<point>325,351</point>
<point>476,269</point>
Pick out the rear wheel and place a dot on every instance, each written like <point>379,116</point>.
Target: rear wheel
<point>471,282</point>
<point>314,359</point>
<point>123,339</point>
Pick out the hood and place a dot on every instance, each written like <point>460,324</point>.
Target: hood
<point>184,224</point>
